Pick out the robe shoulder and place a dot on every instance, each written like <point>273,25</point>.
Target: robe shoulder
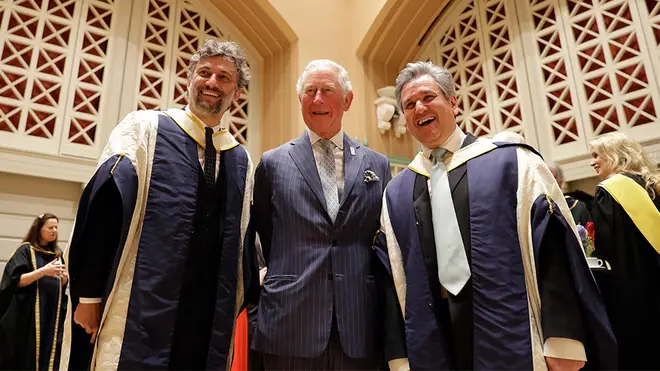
<point>132,136</point>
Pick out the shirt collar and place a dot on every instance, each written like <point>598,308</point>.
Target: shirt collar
<point>216,128</point>
<point>452,144</point>
<point>338,139</point>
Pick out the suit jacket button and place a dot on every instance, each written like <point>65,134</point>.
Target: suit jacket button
<point>330,276</point>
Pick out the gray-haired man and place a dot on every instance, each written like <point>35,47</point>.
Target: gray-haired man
<point>158,242</point>
<point>485,272</point>
<point>316,212</point>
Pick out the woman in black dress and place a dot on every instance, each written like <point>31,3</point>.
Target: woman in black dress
<point>33,301</point>
<point>627,234</point>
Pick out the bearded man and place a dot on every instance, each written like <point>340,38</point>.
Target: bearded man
<point>156,256</point>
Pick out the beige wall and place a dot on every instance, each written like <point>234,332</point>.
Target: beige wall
<point>331,30</point>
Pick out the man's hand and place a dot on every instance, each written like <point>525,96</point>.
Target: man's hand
<point>561,364</point>
<point>88,316</point>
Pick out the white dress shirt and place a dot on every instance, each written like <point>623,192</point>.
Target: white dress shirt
<point>338,151</point>
<point>200,150</point>
<point>452,144</point>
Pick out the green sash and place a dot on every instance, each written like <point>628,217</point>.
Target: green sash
<point>638,205</point>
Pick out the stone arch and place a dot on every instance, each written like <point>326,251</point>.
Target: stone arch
<point>394,38</point>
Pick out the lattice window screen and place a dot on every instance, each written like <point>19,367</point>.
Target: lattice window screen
<point>475,45</point>
<point>580,68</point>
<point>52,74</point>
<point>173,30</point>
<point>34,67</point>
<point>553,75</point>
<point>88,91</point>
<point>618,89</point>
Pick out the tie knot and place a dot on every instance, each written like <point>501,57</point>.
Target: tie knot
<point>439,154</point>
<point>326,144</point>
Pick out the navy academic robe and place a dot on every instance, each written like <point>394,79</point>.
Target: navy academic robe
<point>512,212</point>
<point>163,251</point>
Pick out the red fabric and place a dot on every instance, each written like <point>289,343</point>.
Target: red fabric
<point>241,344</point>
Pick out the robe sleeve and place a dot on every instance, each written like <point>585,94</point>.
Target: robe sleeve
<point>14,308</point>
<point>393,326</point>
<point>102,222</point>
<point>552,226</point>
<point>106,206</point>
<point>560,311</point>
<point>577,313</point>
<point>17,265</point>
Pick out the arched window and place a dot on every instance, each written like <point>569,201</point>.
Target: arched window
<point>559,71</point>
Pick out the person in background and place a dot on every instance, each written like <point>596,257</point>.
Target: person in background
<point>627,234</point>
<point>579,209</point>
<point>485,271</point>
<point>33,300</point>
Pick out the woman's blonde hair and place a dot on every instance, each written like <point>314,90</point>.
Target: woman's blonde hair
<point>625,155</point>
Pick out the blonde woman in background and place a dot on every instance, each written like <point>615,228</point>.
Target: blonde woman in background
<point>627,234</point>
<point>32,300</point>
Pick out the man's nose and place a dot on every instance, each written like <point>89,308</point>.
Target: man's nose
<point>212,81</point>
<point>318,97</point>
<point>419,107</point>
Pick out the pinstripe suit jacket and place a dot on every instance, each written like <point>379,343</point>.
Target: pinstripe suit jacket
<point>317,267</point>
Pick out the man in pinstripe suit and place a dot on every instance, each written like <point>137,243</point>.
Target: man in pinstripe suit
<point>316,209</point>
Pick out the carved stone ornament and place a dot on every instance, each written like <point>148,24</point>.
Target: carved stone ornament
<point>388,114</point>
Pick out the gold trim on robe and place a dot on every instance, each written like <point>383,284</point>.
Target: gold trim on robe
<point>422,165</point>
<point>37,311</point>
<point>222,140</point>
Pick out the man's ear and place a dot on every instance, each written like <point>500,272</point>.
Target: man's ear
<point>237,93</point>
<point>454,105</point>
<point>348,99</point>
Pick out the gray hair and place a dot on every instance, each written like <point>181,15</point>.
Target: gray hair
<point>441,75</point>
<point>319,64</point>
<point>557,169</point>
<point>228,50</point>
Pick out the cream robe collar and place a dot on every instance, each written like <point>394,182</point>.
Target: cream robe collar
<point>422,165</point>
<point>222,139</point>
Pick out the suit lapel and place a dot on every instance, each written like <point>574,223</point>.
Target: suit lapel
<point>352,162</point>
<point>303,156</point>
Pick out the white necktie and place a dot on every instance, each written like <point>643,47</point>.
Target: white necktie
<point>453,266</point>
<point>328,177</point>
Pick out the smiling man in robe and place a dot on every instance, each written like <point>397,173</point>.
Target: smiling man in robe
<point>483,268</point>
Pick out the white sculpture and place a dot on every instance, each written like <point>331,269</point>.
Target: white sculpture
<point>388,113</point>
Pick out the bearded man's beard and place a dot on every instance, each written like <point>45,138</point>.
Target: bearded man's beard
<point>205,107</point>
